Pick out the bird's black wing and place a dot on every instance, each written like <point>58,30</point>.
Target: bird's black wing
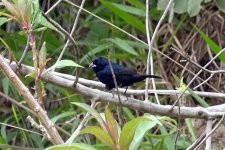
<point>124,76</point>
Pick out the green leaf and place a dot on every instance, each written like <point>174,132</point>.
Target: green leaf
<point>36,13</point>
<point>213,46</point>
<point>142,128</point>
<point>191,129</point>
<point>200,100</point>
<point>74,146</point>
<point>123,44</point>
<point>100,134</point>
<point>64,63</point>
<point>180,6</point>
<point>136,3</point>
<point>13,9</point>
<point>42,54</point>
<point>62,115</point>
<point>3,20</point>
<point>47,24</point>
<point>94,51</point>
<point>92,111</point>
<point>128,131</point>
<point>161,5</point>
<point>168,141</point>
<point>136,23</point>
<point>220,4</point>
<point>194,7</point>
<point>130,9</point>
<point>112,125</point>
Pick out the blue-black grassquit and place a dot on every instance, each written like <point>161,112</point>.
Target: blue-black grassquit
<point>124,76</point>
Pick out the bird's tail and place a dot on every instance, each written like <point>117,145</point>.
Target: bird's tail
<point>151,76</point>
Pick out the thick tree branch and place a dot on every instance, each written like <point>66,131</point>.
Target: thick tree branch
<point>192,112</point>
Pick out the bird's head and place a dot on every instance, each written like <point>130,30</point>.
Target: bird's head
<point>98,64</point>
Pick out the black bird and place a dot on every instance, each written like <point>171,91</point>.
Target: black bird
<point>124,76</point>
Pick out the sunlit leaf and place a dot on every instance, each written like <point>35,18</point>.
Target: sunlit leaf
<point>73,146</point>
<point>180,6</point>
<point>220,4</point>
<point>194,7</point>
<point>128,131</point>
<point>64,63</point>
<point>92,111</point>
<point>3,20</point>
<point>100,134</point>
<point>112,124</point>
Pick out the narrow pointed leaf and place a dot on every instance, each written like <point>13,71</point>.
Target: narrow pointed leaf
<point>100,134</point>
<point>112,125</point>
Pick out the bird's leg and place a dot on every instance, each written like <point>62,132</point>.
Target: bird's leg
<point>109,89</point>
<point>125,92</point>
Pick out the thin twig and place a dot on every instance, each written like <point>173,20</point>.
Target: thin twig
<point>150,44</point>
<point>53,6</point>
<point>24,52</point>
<point>208,141</point>
<point>209,134</point>
<point>82,124</point>
<point>187,86</point>
<point>120,111</point>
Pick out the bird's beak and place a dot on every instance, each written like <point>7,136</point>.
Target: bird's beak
<point>92,65</point>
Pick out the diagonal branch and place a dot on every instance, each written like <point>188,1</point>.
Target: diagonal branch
<point>50,129</point>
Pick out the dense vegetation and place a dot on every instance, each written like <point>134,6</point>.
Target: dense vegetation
<point>183,42</point>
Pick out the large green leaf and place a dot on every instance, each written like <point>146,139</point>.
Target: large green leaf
<point>112,124</point>
<point>100,134</point>
<point>92,111</point>
<point>136,23</point>
<point>194,7</point>
<point>220,4</point>
<point>64,63</point>
<point>3,20</point>
<point>180,6</point>
<point>128,131</point>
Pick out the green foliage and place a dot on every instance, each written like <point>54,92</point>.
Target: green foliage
<point>131,135</point>
<point>94,37</point>
<point>213,46</point>
<point>192,7</point>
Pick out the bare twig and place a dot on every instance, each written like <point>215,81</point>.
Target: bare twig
<point>24,52</point>
<point>150,44</point>
<point>120,110</point>
<point>208,141</point>
<point>187,86</point>
<point>82,124</point>
<point>209,134</point>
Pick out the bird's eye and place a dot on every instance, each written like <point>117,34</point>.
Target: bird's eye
<point>95,62</point>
